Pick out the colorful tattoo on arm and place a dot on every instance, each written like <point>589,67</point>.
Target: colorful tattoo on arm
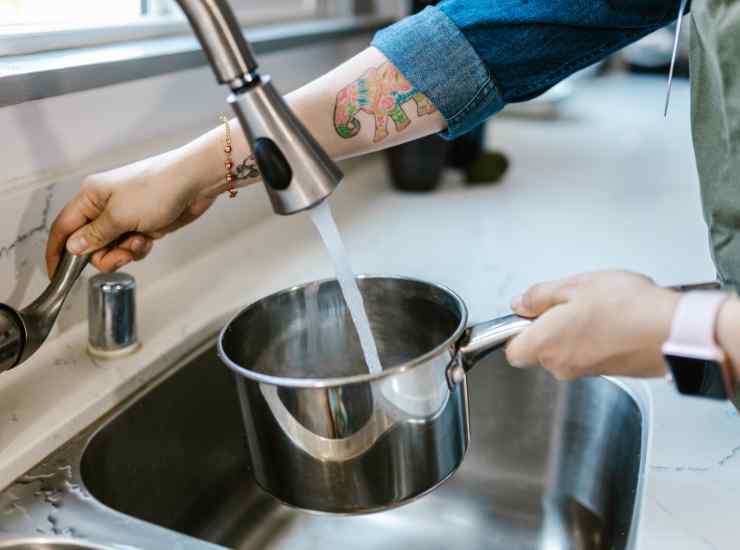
<point>247,169</point>
<point>381,93</point>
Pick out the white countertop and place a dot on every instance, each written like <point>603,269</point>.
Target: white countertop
<point>610,184</point>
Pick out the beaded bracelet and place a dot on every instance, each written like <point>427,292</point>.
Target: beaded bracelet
<point>229,162</point>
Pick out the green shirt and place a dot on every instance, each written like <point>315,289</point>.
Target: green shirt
<point>715,118</point>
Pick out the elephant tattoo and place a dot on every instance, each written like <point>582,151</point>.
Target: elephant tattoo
<point>381,93</point>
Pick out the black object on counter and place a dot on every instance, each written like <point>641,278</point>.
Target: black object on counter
<point>418,165</point>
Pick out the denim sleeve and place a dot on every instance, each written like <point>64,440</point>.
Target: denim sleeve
<point>472,57</point>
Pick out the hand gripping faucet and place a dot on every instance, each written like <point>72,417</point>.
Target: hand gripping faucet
<point>297,172</point>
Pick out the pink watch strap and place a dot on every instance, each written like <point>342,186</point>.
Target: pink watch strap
<point>692,329</point>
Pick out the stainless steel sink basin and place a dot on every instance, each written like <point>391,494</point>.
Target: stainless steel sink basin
<point>551,466</point>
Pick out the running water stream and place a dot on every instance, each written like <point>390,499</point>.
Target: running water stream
<point>327,228</point>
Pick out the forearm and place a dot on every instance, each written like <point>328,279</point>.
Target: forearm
<point>363,105</point>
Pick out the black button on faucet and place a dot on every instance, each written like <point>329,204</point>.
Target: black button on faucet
<point>274,167</point>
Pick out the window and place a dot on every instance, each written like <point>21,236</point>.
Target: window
<point>28,26</point>
<point>76,12</point>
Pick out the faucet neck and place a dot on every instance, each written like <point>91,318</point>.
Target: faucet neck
<point>223,42</point>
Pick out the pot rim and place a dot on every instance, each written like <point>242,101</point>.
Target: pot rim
<point>293,382</point>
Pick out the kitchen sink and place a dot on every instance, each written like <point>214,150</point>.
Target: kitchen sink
<point>551,465</point>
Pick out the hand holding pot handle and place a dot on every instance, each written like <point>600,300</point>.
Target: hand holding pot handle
<point>484,338</point>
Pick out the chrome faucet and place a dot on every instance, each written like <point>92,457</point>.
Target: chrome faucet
<point>297,172</point>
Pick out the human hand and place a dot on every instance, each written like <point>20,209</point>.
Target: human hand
<point>603,323</point>
<point>118,214</point>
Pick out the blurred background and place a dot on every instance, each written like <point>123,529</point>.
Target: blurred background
<point>39,25</point>
<point>87,85</point>
<point>87,12</point>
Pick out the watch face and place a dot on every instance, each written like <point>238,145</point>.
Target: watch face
<point>702,378</point>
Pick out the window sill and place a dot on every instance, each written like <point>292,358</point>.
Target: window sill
<point>49,74</point>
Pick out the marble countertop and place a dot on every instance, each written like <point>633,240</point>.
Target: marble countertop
<point>608,184</point>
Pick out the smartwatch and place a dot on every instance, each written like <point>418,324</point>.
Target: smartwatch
<point>698,365</point>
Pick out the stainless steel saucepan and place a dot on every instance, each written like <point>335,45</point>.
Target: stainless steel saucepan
<point>323,433</point>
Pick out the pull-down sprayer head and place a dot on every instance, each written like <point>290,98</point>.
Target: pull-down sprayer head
<point>297,172</point>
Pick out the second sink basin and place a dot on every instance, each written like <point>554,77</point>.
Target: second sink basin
<point>551,466</point>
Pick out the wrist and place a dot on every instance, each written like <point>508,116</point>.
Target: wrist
<point>202,161</point>
<point>662,306</point>
<point>726,329</point>
<point>204,158</point>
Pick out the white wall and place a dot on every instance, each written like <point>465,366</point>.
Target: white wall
<point>49,145</point>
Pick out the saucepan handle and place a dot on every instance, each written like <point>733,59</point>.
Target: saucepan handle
<point>482,339</point>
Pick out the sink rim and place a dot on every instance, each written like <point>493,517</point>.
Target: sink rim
<point>637,389</point>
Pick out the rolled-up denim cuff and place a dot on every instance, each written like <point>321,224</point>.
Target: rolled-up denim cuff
<point>439,61</point>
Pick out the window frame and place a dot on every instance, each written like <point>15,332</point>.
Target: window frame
<point>33,39</point>
<point>46,75</point>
